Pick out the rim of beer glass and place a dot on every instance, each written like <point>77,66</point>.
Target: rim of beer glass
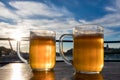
<point>43,32</point>
<point>88,29</point>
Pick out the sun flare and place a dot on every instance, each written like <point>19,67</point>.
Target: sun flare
<point>17,35</point>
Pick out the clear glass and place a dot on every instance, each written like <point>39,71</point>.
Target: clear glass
<point>42,50</point>
<point>88,48</point>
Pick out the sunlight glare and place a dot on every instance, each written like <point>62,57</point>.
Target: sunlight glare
<point>20,72</point>
<point>17,35</point>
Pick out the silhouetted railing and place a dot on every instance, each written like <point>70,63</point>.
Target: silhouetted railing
<point>69,41</point>
<point>106,60</point>
<point>26,39</point>
<point>104,41</point>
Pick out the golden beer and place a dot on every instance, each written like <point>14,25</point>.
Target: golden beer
<point>42,52</point>
<point>43,75</point>
<point>88,53</point>
<point>81,76</point>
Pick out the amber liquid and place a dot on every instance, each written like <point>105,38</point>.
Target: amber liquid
<point>88,53</point>
<point>43,75</point>
<point>42,53</point>
<point>81,76</point>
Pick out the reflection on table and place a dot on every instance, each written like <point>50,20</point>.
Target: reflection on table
<point>62,71</point>
<point>15,71</point>
<point>81,76</point>
<point>43,75</point>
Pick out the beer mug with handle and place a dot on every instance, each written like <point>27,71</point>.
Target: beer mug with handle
<point>42,50</point>
<point>88,48</point>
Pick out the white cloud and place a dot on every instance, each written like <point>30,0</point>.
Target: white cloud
<point>1,4</point>
<point>6,13</point>
<point>83,22</point>
<point>60,20</point>
<point>27,8</point>
<point>111,19</point>
<point>110,9</point>
<point>55,18</point>
<point>117,4</point>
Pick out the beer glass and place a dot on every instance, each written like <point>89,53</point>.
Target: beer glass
<point>42,50</point>
<point>88,48</point>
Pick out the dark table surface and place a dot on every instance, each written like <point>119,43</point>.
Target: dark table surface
<point>62,71</point>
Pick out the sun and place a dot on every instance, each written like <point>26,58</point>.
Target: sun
<point>17,35</point>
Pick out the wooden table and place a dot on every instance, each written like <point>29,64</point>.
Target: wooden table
<point>62,71</point>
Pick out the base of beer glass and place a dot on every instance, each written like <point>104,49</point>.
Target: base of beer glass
<point>87,72</point>
<point>45,69</point>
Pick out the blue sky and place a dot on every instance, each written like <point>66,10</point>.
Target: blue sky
<point>59,15</point>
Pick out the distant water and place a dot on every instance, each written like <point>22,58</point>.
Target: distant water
<point>112,57</point>
<point>59,58</point>
<point>107,57</point>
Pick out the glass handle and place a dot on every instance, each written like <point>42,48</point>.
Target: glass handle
<point>18,53</point>
<point>66,60</point>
